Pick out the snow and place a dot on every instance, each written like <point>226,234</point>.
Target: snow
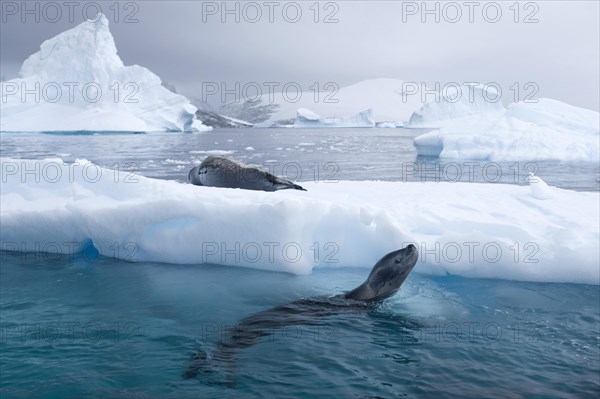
<point>77,82</point>
<point>307,115</point>
<point>545,130</point>
<point>459,105</point>
<point>307,118</point>
<point>466,229</point>
<point>539,188</point>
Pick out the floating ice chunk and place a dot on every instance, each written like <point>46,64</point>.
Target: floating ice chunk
<point>212,152</point>
<point>307,118</point>
<point>389,125</point>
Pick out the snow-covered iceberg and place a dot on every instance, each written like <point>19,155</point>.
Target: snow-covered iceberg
<point>472,105</point>
<point>547,129</point>
<point>467,229</point>
<point>389,125</point>
<point>78,82</point>
<point>307,118</point>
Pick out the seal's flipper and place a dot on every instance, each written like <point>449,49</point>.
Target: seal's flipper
<point>289,186</point>
<point>198,363</point>
<point>284,184</point>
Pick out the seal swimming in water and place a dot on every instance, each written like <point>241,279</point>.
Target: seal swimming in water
<point>385,280</point>
<point>219,171</point>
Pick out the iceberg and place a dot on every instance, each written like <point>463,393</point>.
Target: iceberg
<point>460,107</point>
<point>545,130</point>
<point>307,118</point>
<point>389,125</point>
<point>548,129</point>
<point>77,82</point>
<point>466,229</point>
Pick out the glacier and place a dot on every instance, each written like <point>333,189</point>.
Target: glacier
<point>307,118</point>
<point>466,229</point>
<point>546,129</point>
<point>77,82</point>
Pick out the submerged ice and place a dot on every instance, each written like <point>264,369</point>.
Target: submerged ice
<point>536,232</point>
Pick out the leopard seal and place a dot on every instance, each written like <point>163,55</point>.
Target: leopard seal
<point>383,281</point>
<point>220,171</point>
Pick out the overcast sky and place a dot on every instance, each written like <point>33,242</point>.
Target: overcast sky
<point>186,43</point>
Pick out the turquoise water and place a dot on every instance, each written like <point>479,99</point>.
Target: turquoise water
<point>85,326</point>
<point>75,328</point>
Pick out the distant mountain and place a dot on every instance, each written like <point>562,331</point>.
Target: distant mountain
<point>256,111</point>
<point>384,96</point>
<point>213,119</point>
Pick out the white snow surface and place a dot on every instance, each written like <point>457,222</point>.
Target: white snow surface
<point>468,102</point>
<point>537,233</point>
<point>545,130</point>
<point>78,82</point>
<point>307,118</point>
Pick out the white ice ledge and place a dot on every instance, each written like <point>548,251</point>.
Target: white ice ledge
<point>536,233</point>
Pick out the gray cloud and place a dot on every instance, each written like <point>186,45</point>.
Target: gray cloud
<point>560,53</point>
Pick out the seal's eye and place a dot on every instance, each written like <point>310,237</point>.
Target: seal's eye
<point>397,260</point>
